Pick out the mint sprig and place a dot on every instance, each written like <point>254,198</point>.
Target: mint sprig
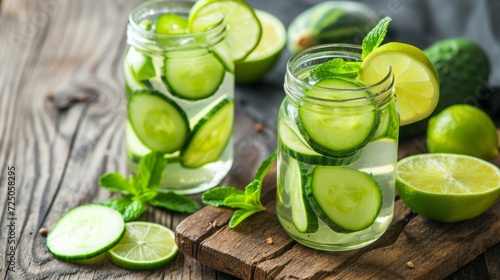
<point>141,190</point>
<point>247,202</point>
<point>375,37</point>
<point>339,68</point>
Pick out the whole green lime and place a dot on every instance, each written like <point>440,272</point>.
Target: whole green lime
<point>463,129</point>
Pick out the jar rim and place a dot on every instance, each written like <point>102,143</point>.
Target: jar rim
<point>139,36</point>
<point>332,51</point>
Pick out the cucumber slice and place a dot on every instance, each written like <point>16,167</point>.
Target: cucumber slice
<point>170,24</point>
<point>345,199</point>
<point>294,145</point>
<point>85,232</point>
<point>210,136</point>
<point>339,131</point>
<point>303,216</point>
<point>194,78</point>
<point>389,120</point>
<point>158,121</point>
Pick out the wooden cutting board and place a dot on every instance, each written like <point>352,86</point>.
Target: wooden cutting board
<point>436,250</point>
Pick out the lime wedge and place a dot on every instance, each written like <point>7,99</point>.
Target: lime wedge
<point>267,52</point>
<point>447,187</point>
<point>243,26</point>
<point>145,246</point>
<point>85,232</point>
<point>170,24</point>
<point>416,79</point>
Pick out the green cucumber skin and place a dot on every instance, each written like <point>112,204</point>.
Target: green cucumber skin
<point>166,99</point>
<point>337,153</point>
<point>307,179</point>
<point>320,159</point>
<point>312,218</point>
<point>197,127</point>
<point>320,212</point>
<point>176,93</point>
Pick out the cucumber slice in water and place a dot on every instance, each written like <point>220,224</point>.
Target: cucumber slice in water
<point>158,121</point>
<point>294,145</point>
<point>194,78</point>
<point>342,130</point>
<point>85,232</point>
<point>345,199</point>
<point>210,136</point>
<point>303,216</point>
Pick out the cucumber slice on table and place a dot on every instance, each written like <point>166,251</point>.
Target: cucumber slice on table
<point>294,145</point>
<point>194,78</point>
<point>303,217</point>
<point>158,121</point>
<point>345,199</point>
<point>85,232</point>
<point>341,130</point>
<point>210,136</point>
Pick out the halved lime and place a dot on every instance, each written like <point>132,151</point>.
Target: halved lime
<point>267,52</point>
<point>416,80</point>
<point>447,187</point>
<point>243,26</point>
<point>85,232</point>
<point>145,246</point>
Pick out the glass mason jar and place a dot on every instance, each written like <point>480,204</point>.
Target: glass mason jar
<point>180,90</point>
<point>337,153</point>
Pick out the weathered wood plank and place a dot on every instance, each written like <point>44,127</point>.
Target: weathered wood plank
<point>437,250</point>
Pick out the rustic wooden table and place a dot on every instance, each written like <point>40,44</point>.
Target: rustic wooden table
<point>62,125</point>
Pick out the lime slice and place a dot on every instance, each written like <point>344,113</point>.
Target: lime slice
<point>447,187</point>
<point>243,26</point>
<point>85,232</point>
<point>145,246</point>
<point>416,79</point>
<point>267,52</point>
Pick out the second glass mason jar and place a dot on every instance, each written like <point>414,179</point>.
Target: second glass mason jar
<point>337,153</point>
<point>180,90</point>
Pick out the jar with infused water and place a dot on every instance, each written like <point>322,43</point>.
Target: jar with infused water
<point>180,91</point>
<point>337,152</point>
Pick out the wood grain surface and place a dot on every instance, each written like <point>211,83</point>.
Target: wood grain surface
<point>62,125</point>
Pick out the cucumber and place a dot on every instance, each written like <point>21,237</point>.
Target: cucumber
<point>303,217</point>
<point>339,131</point>
<point>345,199</point>
<point>330,22</point>
<point>210,136</point>
<point>295,146</point>
<point>85,232</point>
<point>170,23</point>
<point>388,124</point>
<point>194,78</point>
<point>158,121</point>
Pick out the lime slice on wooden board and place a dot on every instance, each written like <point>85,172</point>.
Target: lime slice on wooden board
<point>145,246</point>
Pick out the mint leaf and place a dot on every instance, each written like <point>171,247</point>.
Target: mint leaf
<point>264,167</point>
<point>252,192</point>
<point>247,201</point>
<point>134,210</point>
<point>335,68</point>
<point>115,182</point>
<point>215,197</point>
<point>175,202</point>
<point>150,172</point>
<point>240,215</point>
<point>129,208</point>
<point>375,37</point>
<point>237,201</point>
